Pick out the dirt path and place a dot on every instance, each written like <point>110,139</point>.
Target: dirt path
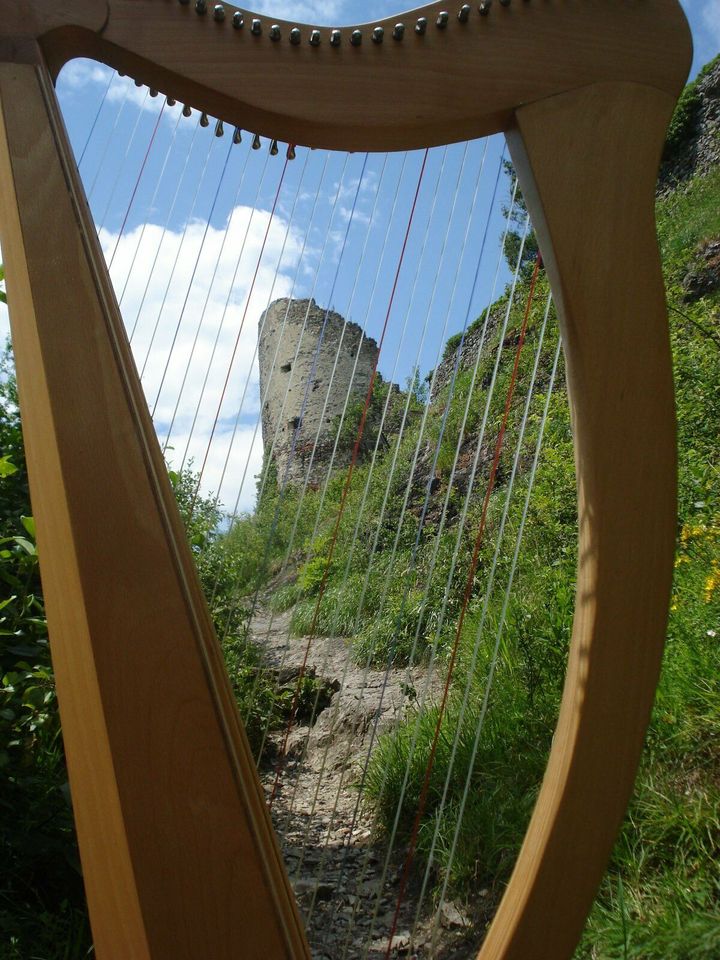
<point>335,861</point>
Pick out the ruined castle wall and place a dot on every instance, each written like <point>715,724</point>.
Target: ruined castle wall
<point>306,357</point>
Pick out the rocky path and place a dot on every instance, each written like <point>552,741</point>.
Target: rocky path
<point>335,861</point>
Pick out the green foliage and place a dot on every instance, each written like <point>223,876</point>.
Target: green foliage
<point>684,118</point>
<point>41,896</point>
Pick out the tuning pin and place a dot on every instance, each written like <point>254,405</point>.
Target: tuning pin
<point>378,34</point>
<point>484,7</point>
<point>153,92</point>
<point>315,38</point>
<point>274,150</point>
<point>275,32</point>
<point>200,6</point>
<point>238,21</point>
<point>138,83</point>
<point>257,142</point>
<point>399,31</point>
<point>335,38</point>
<point>170,101</point>
<point>219,12</point>
<point>291,151</point>
<point>237,135</point>
<point>421,25</point>
<point>356,38</point>
<point>187,110</point>
<point>464,13</point>
<point>219,129</point>
<point>295,36</point>
<point>204,119</point>
<point>442,19</point>
<point>256,28</point>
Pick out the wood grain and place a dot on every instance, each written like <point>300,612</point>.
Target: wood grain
<point>454,84</point>
<point>592,205</point>
<point>178,853</point>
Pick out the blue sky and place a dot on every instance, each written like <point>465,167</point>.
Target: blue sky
<point>196,257</point>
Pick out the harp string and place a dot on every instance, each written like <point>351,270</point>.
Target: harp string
<point>94,124</point>
<point>139,177</point>
<point>291,540</point>
<point>463,611</point>
<point>328,473</point>
<point>111,138</point>
<point>141,236</point>
<point>179,180</point>
<point>179,248</point>
<point>427,691</point>
<point>263,395</point>
<point>181,315</point>
<point>359,513</point>
<point>237,339</point>
<point>241,406</point>
<point>353,460</point>
<point>387,489</point>
<point>122,166</point>
<point>203,313</point>
<point>499,540</point>
<point>273,525</point>
<point>338,788</point>
<point>348,393</point>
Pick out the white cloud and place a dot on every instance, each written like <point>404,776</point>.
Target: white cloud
<point>194,313</point>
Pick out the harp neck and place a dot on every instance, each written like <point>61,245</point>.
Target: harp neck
<point>457,81</point>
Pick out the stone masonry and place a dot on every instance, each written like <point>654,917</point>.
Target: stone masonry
<point>307,356</point>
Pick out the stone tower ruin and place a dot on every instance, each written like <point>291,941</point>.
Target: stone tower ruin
<point>309,359</point>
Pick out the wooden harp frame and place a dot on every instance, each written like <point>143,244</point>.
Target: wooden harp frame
<point>178,852</point>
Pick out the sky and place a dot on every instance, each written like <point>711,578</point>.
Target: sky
<point>201,234</point>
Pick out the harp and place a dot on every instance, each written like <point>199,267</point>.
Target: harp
<point>171,819</point>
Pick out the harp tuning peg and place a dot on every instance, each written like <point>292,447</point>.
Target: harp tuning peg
<point>153,92</point>
<point>335,38</point>
<point>378,34</point>
<point>138,83</point>
<point>170,101</point>
<point>201,6</point>
<point>275,32</point>
<point>256,28</point>
<point>421,25</point>
<point>274,150</point>
<point>204,119</point>
<point>315,38</point>
<point>219,129</point>
<point>237,135</point>
<point>257,142</point>
<point>399,31</point>
<point>484,7</point>
<point>464,13</point>
<point>238,21</point>
<point>219,12</point>
<point>356,38</point>
<point>442,19</point>
<point>291,151</point>
<point>295,36</point>
<point>187,110</point>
